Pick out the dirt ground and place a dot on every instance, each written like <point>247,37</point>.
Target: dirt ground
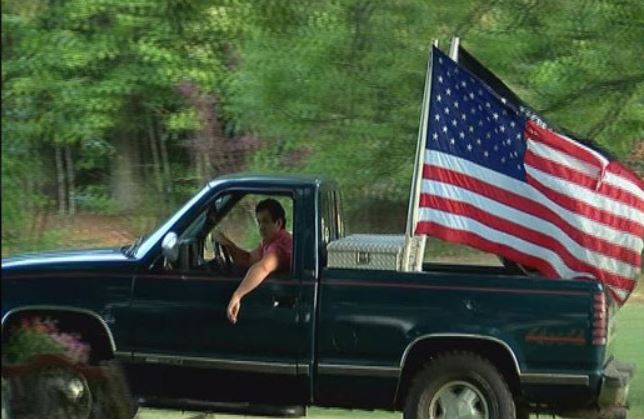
<point>84,230</point>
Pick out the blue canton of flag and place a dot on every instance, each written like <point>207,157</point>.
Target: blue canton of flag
<point>469,121</point>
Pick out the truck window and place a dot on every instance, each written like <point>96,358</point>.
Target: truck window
<point>240,224</point>
<point>234,214</point>
<point>339,215</point>
<point>330,224</point>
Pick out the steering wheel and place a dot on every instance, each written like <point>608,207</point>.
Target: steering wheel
<point>223,257</point>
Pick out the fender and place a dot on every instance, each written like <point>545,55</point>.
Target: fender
<point>436,336</point>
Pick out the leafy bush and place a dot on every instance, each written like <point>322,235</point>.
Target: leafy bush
<point>35,336</point>
<point>97,199</point>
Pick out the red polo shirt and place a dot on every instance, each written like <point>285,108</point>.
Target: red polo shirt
<point>282,245</point>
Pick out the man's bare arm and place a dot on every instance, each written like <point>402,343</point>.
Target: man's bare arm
<point>256,274</point>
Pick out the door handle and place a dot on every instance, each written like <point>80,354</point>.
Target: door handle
<point>285,302</point>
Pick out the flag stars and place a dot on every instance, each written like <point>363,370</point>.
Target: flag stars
<point>461,134</point>
<point>469,147</point>
<point>502,128</point>
<point>485,153</point>
<point>440,79</point>
<point>444,128</point>
<point>437,117</point>
<point>446,110</point>
<point>456,104</point>
<point>471,95</point>
<point>452,141</point>
<point>494,115</point>
<point>454,122</point>
<point>435,136</point>
<point>439,98</point>
<point>502,159</point>
<point>478,141</point>
<point>463,117</point>
<point>470,128</point>
<point>512,124</point>
<point>448,92</point>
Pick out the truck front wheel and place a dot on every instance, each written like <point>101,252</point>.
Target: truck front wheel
<point>459,385</point>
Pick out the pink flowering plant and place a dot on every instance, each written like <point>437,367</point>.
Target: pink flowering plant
<point>35,336</point>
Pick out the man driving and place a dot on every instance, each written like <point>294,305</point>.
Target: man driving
<point>273,254</point>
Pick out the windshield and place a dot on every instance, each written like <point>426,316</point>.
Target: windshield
<point>158,233</point>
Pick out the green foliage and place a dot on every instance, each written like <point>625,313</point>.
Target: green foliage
<point>35,336</point>
<point>95,199</point>
<point>331,87</point>
<point>336,89</point>
<point>26,344</point>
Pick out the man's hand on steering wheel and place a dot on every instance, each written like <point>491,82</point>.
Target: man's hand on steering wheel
<point>222,254</point>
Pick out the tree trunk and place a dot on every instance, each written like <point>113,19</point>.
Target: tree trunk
<point>125,178</point>
<point>166,163</point>
<point>156,163</point>
<point>71,187</point>
<point>60,179</point>
<point>207,175</point>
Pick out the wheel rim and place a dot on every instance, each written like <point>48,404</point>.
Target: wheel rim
<point>458,400</point>
<point>62,393</point>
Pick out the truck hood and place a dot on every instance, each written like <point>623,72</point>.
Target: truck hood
<point>65,257</point>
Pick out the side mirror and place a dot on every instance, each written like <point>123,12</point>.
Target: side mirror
<point>170,246</point>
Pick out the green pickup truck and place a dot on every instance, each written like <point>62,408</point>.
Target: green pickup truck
<point>444,341</point>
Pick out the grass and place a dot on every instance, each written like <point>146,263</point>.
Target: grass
<point>629,347</point>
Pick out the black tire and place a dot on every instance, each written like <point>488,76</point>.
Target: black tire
<point>60,392</point>
<point>463,381</point>
<point>112,397</point>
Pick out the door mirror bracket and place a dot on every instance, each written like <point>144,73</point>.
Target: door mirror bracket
<point>170,246</point>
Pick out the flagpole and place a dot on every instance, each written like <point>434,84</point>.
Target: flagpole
<point>412,213</point>
<point>453,48</point>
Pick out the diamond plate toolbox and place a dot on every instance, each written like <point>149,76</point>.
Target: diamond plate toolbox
<point>380,252</point>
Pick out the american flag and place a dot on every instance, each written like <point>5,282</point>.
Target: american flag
<point>498,181</point>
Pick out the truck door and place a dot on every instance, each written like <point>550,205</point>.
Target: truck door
<point>183,344</point>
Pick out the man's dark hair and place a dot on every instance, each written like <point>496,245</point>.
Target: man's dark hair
<point>274,208</point>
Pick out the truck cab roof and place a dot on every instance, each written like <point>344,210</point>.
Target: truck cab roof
<point>277,180</point>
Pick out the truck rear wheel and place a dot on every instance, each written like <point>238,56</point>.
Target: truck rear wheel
<point>459,385</point>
